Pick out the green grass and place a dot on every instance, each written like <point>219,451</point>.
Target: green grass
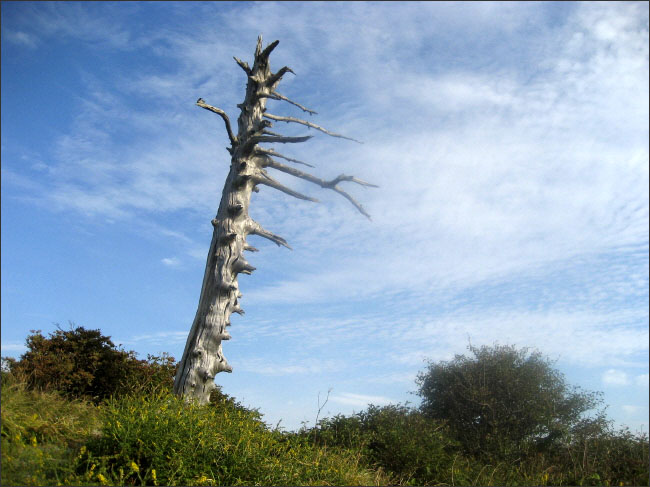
<point>162,439</point>
<point>158,439</point>
<point>41,435</point>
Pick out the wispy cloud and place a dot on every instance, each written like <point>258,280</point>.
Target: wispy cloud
<point>13,348</point>
<point>615,377</point>
<point>52,20</point>
<point>171,261</point>
<point>360,400</point>
<point>642,380</point>
<point>19,37</point>
<point>630,409</point>
<point>163,337</point>
<point>284,367</point>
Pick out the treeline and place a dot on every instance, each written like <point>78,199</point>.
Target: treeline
<point>77,410</point>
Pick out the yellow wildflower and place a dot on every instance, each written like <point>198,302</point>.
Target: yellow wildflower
<point>153,476</point>
<point>101,478</point>
<point>134,467</point>
<point>34,442</point>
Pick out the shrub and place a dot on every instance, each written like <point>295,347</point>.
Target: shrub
<point>396,438</point>
<point>503,402</point>
<point>85,363</point>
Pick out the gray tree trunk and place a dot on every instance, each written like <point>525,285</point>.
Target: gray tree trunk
<point>203,356</point>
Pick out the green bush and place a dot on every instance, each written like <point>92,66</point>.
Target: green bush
<point>396,438</point>
<point>503,403</point>
<point>86,364</point>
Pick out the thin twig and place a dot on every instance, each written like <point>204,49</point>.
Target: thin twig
<point>271,152</point>
<point>274,95</point>
<point>308,124</point>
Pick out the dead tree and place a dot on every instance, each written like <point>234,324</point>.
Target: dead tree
<point>203,356</point>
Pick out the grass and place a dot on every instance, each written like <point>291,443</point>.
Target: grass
<point>41,433</point>
<point>158,439</point>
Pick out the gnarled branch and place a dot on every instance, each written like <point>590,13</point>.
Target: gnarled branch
<point>324,184</point>
<point>256,139</point>
<point>267,180</point>
<point>308,124</point>
<point>200,102</point>
<point>244,65</point>
<point>274,95</point>
<point>265,54</point>
<point>254,228</point>
<point>274,78</point>
<point>271,152</point>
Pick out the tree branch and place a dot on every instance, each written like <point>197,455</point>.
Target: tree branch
<point>201,103</point>
<point>256,139</point>
<point>325,184</point>
<point>274,95</point>
<point>258,48</point>
<point>244,65</point>
<point>254,228</point>
<point>267,180</point>
<point>274,78</point>
<point>265,54</point>
<point>271,152</point>
<point>308,124</point>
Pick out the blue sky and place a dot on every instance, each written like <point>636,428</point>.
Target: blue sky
<point>509,141</point>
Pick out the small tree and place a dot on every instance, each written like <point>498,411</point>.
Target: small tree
<point>203,356</point>
<point>502,401</point>
<point>84,363</point>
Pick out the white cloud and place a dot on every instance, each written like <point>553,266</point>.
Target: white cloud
<point>78,22</point>
<point>13,347</point>
<point>642,380</point>
<point>275,368</point>
<point>20,37</point>
<point>615,378</point>
<point>631,410</point>
<point>360,400</point>
<point>171,261</point>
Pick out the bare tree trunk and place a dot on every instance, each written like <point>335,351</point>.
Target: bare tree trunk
<point>203,356</point>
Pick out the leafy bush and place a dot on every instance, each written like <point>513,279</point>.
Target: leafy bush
<point>504,402</point>
<point>85,363</point>
<point>396,438</point>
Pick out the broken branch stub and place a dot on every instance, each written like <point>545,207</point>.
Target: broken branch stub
<point>203,355</point>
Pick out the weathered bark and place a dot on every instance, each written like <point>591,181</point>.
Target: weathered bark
<point>203,356</point>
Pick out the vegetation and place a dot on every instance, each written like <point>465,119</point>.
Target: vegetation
<point>86,364</point>
<point>503,400</point>
<point>145,435</point>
